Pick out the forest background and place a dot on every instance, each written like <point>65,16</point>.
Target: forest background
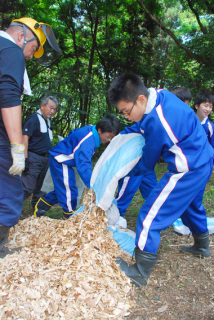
<point>167,42</point>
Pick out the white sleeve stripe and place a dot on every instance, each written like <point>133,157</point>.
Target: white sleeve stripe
<point>64,157</point>
<point>156,207</point>
<point>210,129</point>
<point>180,159</point>
<point>81,141</point>
<point>166,125</point>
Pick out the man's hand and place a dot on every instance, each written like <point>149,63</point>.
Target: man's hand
<point>26,165</point>
<point>17,152</point>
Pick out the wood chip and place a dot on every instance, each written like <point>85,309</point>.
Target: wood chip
<point>65,270</point>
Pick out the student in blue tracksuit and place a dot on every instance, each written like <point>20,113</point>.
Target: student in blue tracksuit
<point>183,94</point>
<point>203,106</point>
<point>128,186</point>
<point>75,151</point>
<point>173,131</point>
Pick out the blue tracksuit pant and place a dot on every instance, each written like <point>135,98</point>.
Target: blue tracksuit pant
<point>128,186</point>
<point>176,195</point>
<point>65,191</point>
<point>11,190</point>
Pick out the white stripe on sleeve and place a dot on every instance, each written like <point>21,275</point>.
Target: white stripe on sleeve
<point>64,157</point>
<point>180,159</point>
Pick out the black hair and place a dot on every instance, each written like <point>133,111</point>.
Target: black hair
<point>203,96</point>
<point>182,93</point>
<point>127,86</point>
<point>109,123</point>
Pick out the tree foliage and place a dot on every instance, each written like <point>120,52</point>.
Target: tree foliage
<point>168,43</point>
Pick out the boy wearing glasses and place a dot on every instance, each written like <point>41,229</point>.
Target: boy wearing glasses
<point>203,106</point>
<point>173,131</point>
<point>128,186</point>
<point>75,151</point>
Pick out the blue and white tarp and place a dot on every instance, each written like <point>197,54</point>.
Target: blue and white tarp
<point>181,228</point>
<point>125,238</point>
<point>118,159</point>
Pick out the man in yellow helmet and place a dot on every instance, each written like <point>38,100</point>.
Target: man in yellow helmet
<point>23,39</point>
<point>48,49</point>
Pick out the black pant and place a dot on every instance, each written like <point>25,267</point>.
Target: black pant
<point>33,179</point>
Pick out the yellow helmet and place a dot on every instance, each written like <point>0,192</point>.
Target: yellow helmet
<point>42,31</point>
<point>35,27</point>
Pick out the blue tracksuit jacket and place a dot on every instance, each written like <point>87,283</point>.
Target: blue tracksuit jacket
<point>172,130</point>
<point>209,129</point>
<point>74,151</point>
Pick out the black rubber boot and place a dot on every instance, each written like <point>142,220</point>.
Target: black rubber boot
<point>200,247</point>
<point>141,270</point>
<point>41,207</point>
<point>67,215</point>
<point>4,233</point>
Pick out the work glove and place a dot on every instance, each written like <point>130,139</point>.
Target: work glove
<point>113,214</point>
<point>17,152</point>
<point>26,165</point>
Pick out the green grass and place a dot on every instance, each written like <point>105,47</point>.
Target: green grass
<point>54,213</point>
<point>132,212</point>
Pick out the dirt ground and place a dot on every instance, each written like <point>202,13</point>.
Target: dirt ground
<point>181,287</point>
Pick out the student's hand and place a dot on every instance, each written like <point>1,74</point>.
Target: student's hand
<point>17,152</point>
<point>113,214</point>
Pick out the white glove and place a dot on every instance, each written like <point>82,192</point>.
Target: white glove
<point>113,214</point>
<point>17,152</point>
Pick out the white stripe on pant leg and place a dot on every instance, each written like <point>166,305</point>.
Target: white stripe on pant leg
<point>67,188</point>
<point>155,208</point>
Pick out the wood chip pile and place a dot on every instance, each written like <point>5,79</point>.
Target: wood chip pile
<point>65,270</point>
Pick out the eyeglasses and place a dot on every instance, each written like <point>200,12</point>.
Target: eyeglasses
<point>107,136</point>
<point>124,112</point>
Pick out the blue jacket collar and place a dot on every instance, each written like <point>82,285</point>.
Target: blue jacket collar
<point>96,136</point>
